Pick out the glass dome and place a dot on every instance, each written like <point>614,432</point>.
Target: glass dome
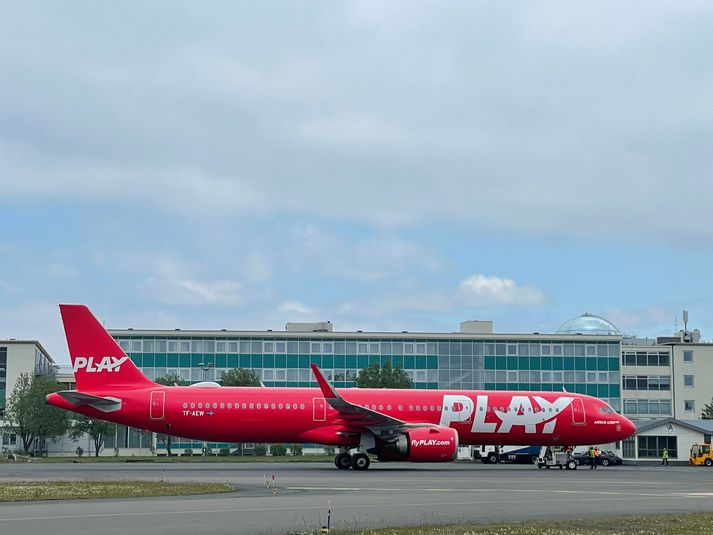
<point>588,324</point>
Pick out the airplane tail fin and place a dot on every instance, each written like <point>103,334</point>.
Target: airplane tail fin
<point>98,361</point>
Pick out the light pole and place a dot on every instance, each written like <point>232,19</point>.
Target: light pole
<point>205,367</point>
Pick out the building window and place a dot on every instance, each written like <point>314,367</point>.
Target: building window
<point>652,447</point>
<point>689,405</point>
<point>688,380</point>
<point>688,355</point>
<point>629,447</point>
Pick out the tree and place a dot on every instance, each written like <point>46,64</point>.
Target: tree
<point>374,376</point>
<point>30,416</point>
<point>240,377</point>
<point>97,429</point>
<point>278,450</point>
<point>168,380</point>
<point>707,412</point>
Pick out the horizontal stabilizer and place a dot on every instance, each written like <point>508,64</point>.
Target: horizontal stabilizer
<point>80,399</point>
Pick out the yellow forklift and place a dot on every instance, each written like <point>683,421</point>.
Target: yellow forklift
<point>701,455</point>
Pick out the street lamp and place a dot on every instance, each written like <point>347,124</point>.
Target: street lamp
<point>205,367</point>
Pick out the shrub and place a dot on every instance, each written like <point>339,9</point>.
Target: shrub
<point>260,449</point>
<point>80,451</point>
<point>188,452</point>
<point>224,452</point>
<point>278,450</point>
<point>297,449</point>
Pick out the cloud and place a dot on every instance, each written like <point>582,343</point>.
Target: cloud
<point>542,120</point>
<point>191,292</point>
<point>362,259</point>
<point>481,290</point>
<point>293,307</point>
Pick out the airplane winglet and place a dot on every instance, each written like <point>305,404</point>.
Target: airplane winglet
<point>327,389</point>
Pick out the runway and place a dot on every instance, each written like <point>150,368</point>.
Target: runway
<point>385,495</point>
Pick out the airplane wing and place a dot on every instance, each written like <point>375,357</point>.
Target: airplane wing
<point>359,417</point>
<point>80,399</point>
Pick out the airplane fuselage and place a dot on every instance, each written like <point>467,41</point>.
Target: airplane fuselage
<point>247,414</point>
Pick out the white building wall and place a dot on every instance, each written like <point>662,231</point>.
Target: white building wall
<point>686,437</point>
<point>702,371</point>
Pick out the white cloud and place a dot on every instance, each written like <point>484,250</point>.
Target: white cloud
<point>291,307</point>
<point>588,140</point>
<point>365,259</point>
<point>492,290</point>
<point>174,291</point>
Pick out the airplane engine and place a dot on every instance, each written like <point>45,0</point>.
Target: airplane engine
<point>422,445</point>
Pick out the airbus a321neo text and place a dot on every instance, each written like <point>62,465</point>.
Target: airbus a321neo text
<point>394,425</point>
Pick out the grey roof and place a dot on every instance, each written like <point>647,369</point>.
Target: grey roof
<point>700,426</point>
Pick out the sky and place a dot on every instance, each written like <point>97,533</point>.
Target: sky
<point>386,166</point>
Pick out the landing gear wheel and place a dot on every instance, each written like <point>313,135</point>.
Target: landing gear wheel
<point>571,465</point>
<point>493,458</point>
<point>708,462</point>
<point>605,462</point>
<point>360,461</point>
<point>343,461</point>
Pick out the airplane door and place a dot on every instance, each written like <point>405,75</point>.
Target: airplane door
<point>158,400</point>
<point>578,416</point>
<point>319,409</point>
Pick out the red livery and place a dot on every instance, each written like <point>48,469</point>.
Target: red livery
<point>395,425</point>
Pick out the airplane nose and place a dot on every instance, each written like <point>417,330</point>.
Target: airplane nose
<point>627,427</point>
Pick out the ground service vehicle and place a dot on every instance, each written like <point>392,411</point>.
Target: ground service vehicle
<point>394,425</point>
<point>701,455</point>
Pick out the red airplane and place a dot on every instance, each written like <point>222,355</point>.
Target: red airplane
<point>395,425</point>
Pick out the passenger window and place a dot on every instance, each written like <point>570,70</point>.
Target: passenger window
<point>230,405</point>
<point>215,405</point>
<point>252,405</point>
<point>410,407</point>
<point>272,406</point>
<point>259,406</point>
<point>294,405</point>
<point>302,406</point>
<point>418,408</point>
<point>185,405</point>
<point>222,405</point>
<point>381,407</point>
<point>280,406</point>
<point>193,405</point>
<point>200,405</point>
<point>245,405</point>
<point>433,408</point>
<point>401,407</point>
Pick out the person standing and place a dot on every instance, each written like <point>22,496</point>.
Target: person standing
<point>592,458</point>
<point>664,457</point>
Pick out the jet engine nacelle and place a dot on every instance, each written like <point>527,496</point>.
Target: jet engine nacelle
<point>423,445</point>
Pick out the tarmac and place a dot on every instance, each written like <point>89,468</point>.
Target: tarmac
<point>392,494</point>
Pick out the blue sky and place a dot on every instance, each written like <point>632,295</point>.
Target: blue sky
<point>386,166</point>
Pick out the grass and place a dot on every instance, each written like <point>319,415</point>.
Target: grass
<point>77,490</point>
<point>670,524</point>
<point>181,459</point>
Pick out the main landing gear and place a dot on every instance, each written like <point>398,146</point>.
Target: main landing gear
<point>358,461</point>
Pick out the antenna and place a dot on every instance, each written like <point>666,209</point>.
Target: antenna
<point>685,320</point>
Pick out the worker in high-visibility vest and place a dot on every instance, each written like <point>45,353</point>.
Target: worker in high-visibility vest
<point>592,458</point>
<point>664,457</point>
